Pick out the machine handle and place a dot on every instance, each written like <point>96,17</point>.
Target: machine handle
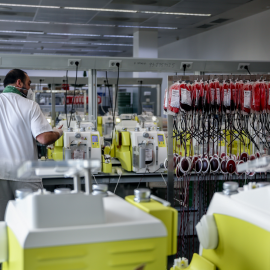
<point>89,152</point>
<point>156,155</point>
<point>165,203</point>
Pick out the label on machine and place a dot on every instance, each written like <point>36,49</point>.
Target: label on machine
<point>175,102</point>
<point>148,154</point>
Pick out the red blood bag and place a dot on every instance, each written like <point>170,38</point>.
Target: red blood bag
<point>233,96</point>
<point>174,99</point>
<point>165,102</point>
<point>263,97</point>
<point>268,90</point>
<point>217,94</point>
<point>226,96</point>
<point>185,97</point>
<point>212,94</point>
<point>200,92</point>
<point>246,98</point>
<point>207,98</point>
<point>256,97</point>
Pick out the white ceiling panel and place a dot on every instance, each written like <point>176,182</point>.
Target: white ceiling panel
<point>109,23</point>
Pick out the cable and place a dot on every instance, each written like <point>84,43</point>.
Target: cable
<point>163,179</point>
<point>140,97</point>
<point>142,177</point>
<point>117,82</point>
<point>109,90</point>
<point>184,67</point>
<point>77,64</point>
<point>117,183</point>
<point>95,179</point>
<point>247,69</point>
<point>66,97</point>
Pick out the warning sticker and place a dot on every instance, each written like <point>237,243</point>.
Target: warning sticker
<point>175,99</point>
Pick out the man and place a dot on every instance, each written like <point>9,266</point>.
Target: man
<point>21,124</point>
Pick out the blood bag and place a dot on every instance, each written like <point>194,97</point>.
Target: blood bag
<point>185,97</point>
<point>174,99</point>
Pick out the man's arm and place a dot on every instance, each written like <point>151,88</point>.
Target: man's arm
<point>50,137</point>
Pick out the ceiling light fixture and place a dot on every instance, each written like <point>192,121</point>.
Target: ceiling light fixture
<point>91,25</point>
<point>106,10</point>
<point>118,36</point>
<point>150,27</point>
<point>64,49</point>
<point>21,32</point>
<point>18,41</point>
<point>71,34</point>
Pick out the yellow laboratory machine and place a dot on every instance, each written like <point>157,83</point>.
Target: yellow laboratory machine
<point>79,230</point>
<point>235,232</point>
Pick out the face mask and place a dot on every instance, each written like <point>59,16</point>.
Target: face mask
<point>29,93</point>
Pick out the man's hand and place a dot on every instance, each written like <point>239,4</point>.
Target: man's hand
<point>59,131</point>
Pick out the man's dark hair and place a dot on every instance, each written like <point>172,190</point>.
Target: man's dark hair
<point>14,75</point>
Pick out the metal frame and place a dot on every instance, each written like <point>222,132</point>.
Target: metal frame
<point>52,62</point>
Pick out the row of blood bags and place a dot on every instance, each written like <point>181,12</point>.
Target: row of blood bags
<point>78,100</point>
<point>213,96</point>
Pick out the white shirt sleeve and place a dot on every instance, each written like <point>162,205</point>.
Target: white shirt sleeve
<point>39,123</point>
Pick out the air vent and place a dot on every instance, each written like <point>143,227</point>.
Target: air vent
<point>13,45</point>
<point>220,20</point>
<point>205,26</point>
<point>88,40</point>
<point>103,19</point>
<point>145,2</point>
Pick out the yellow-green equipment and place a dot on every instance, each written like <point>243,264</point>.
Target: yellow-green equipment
<point>160,209</point>
<point>79,230</point>
<point>139,149</point>
<point>235,232</point>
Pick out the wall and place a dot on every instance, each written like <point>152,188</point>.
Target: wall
<point>246,39</point>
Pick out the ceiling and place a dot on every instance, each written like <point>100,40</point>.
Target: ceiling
<point>91,33</point>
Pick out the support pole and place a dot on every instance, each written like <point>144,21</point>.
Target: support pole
<point>53,109</point>
<point>92,93</point>
<point>170,179</point>
<point>158,100</point>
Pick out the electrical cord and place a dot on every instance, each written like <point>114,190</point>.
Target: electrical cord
<point>140,92</point>
<point>247,69</point>
<point>109,90</point>
<point>116,94</point>
<point>66,96</point>
<point>95,179</point>
<point>77,64</point>
<point>184,67</point>
<point>117,183</point>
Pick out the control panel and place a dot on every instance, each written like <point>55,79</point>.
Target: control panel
<point>95,141</point>
<point>161,140</point>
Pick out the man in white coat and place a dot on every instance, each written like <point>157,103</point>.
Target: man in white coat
<point>21,124</point>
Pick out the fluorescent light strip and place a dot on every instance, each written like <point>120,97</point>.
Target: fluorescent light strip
<point>118,36</point>
<point>150,27</point>
<point>71,34</point>
<point>18,41</point>
<point>94,25</point>
<point>107,10</point>
<point>21,32</point>
<point>64,49</point>
<point>67,43</point>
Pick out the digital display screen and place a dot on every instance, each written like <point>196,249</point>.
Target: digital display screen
<point>94,138</point>
<point>160,138</point>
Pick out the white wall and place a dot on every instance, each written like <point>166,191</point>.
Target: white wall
<point>246,39</point>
